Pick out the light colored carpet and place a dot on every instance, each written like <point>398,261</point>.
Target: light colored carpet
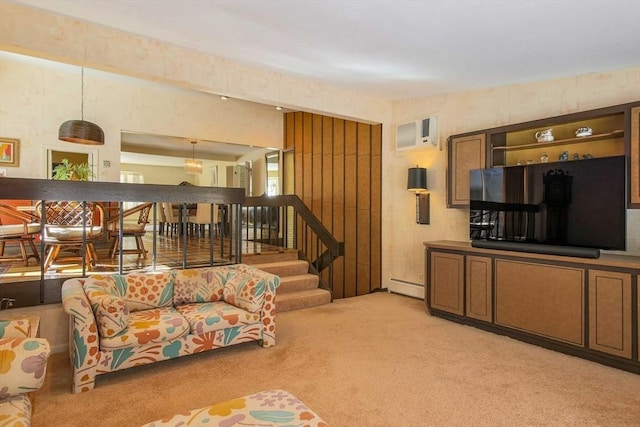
<point>375,360</point>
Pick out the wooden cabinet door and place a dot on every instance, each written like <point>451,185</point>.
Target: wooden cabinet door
<point>465,153</point>
<point>541,299</point>
<point>634,170</point>
<point>446,282</point>
<point>478,288</point>
<point>610,312</point>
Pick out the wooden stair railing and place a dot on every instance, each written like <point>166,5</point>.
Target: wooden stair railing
<point>273,220</point>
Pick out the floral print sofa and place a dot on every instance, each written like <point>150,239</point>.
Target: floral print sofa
<point>121,321</point>
<point>269,408</point>
<point>23,364</point>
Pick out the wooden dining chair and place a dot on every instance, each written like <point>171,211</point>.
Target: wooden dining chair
<point>172,218</point>
<point>202,219</point>
<point>135,228</point>
<point>66,225</point>
<point>19,227</point>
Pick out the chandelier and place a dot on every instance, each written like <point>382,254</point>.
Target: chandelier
<point>192,165</point>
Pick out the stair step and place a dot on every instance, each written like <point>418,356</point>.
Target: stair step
<point>302,299</point>
<point>285,268</point>
<point>267,257</point>
<point>300,282</point>
<point>297,289</point>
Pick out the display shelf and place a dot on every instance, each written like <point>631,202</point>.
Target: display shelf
<point>566,141</point>
<point>551,163</point>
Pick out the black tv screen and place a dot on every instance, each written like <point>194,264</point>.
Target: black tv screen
<point>579,203</point>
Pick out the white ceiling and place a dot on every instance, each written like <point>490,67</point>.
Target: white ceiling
<point>391,48</point>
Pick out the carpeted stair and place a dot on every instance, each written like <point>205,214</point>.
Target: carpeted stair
<point>298,288</point>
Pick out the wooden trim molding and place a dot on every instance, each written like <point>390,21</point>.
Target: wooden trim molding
<point>634,161</point>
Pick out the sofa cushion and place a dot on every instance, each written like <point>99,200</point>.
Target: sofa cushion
<point>112,313</point>
<point>142,291</point>
<point>15,328</point>
<point>23,363</point>
<point>198,285</point>
<point>245,291</point>
<point>213,316</point>
<point>101,283</point>
<point>154,325</point>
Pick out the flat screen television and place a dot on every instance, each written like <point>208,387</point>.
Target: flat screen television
<point>574,204</point>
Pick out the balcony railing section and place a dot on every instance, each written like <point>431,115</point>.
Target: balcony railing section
<point>37,195</point>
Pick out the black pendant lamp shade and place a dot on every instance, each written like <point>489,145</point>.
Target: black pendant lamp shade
<point>81,131</point>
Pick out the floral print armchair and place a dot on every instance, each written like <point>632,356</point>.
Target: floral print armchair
<point>23,364</point>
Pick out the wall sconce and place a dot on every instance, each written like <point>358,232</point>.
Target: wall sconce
<point>417,182</point>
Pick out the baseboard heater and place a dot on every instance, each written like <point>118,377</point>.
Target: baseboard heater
<point>406,282</point>
<point>406,287</point>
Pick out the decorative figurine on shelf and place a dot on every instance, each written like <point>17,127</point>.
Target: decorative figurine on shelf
<point>576,156</point>
<point>588,156</point>
<point>564,156</point>
<point>518,162</point>
<point>544,135</point>
<point>584,131</point>
<point>544,158</point>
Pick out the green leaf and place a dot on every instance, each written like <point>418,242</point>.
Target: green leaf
<point>81,349</point>
<point>230,334</point>
<point>273,416</point>
<point>120,356</point>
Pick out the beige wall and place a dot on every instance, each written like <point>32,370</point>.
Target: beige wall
<point>466,112</point>
<point>173,175</point>
<point>39,102</point>
<point>37,96</point>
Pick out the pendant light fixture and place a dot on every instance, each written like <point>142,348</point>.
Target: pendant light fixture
<point>192,165</point>
<point>81,131</point>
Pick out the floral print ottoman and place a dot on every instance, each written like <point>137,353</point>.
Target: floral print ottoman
<point>266,409</point>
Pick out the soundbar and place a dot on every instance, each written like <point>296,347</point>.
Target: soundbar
<point>537,248</point>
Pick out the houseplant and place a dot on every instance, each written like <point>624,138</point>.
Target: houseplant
<point>72,172</point>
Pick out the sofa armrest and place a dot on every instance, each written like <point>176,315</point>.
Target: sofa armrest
<point>268,311</point>
<point>23,364</point>
<point>268,307</point>
<point>84,341</point>
<point>15,328</point>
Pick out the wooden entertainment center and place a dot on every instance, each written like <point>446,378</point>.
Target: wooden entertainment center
<point>616,131</point>
<point>587,307</point>
<point>584,307</point>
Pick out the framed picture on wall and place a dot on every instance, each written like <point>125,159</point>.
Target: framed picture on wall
<point>9,152</point>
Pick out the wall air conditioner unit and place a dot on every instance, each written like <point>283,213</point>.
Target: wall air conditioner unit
<point>417,133</point>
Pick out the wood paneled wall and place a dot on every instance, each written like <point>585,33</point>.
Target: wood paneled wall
<point>338,170</point>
